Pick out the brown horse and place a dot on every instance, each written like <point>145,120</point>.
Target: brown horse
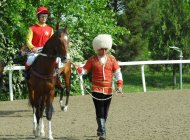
<point>42,82</point>
<point>65,73</point>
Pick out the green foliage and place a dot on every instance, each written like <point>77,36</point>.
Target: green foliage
<point>137,18</point>
<point>155,80</point>
<point>85,19</point>
<point>154,26</point>
<point>142,30</point>
<point>170,30</point>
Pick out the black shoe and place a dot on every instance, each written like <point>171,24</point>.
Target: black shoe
<point>101,131</point>
<point>102,138</point>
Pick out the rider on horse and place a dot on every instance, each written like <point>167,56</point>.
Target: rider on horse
<point>37,36</point>
<point>103,66</point>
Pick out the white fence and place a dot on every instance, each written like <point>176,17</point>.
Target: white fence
<point>10,69</point>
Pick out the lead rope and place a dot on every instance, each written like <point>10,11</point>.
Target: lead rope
<point>115,93</point>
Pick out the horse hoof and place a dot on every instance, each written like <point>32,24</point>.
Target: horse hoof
<point>50,138</point>
<point>42,134</point>
<point>34,132</point>
<point>64,108</point>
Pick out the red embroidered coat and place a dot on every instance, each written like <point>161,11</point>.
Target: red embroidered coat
<point>102,74</point>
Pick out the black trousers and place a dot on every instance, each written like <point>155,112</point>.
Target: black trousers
<point>102,107</point>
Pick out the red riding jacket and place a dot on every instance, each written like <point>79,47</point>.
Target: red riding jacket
<point>38,35</point>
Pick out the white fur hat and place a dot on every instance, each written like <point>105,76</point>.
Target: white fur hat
<point>102,41</point>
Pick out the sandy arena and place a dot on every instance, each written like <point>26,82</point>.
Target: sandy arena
<point>139,116</point>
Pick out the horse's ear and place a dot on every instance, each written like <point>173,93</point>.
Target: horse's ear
<point>66,29</point>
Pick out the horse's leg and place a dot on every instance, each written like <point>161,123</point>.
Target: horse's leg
<point>68,85</point>
<point>61,99</point>
<point>67,98</point>
<point>34,121</point>
<point>39,112</point>
<point>32,103</point>
<point>60,86</point>
<point>49,110</point>
<point>41,124</point>
<point>42,132</point>
<point>37,133</point>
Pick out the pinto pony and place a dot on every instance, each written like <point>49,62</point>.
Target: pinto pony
<point>43,80</point>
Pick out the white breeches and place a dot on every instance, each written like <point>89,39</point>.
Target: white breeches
<point>31,58</point>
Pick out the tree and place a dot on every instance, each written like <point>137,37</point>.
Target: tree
<point>171,30</point>
<point>137,19</point>
<point>86,19</point>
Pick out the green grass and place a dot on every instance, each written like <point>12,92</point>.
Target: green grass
<point>154,81</point>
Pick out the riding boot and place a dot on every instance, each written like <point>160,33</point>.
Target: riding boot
<point>102,129</point>
<point>99,133</point>
<point>27,74</point>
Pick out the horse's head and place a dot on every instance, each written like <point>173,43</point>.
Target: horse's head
<point>58,44</point>
<point>64,42</point>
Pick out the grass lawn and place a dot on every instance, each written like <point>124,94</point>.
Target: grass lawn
<point>154,81</point>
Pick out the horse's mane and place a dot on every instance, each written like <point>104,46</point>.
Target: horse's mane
<point>53,40</point>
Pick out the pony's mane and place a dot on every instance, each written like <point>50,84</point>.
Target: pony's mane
<point>52,40</point>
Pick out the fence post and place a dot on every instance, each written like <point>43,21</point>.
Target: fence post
<point>81,85</point>
<point>11,85</point>
<point>180,70</point>
<point>180,74</point>
<point>143,78</point>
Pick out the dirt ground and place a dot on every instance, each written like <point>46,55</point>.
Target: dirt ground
<point>140,116</point>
